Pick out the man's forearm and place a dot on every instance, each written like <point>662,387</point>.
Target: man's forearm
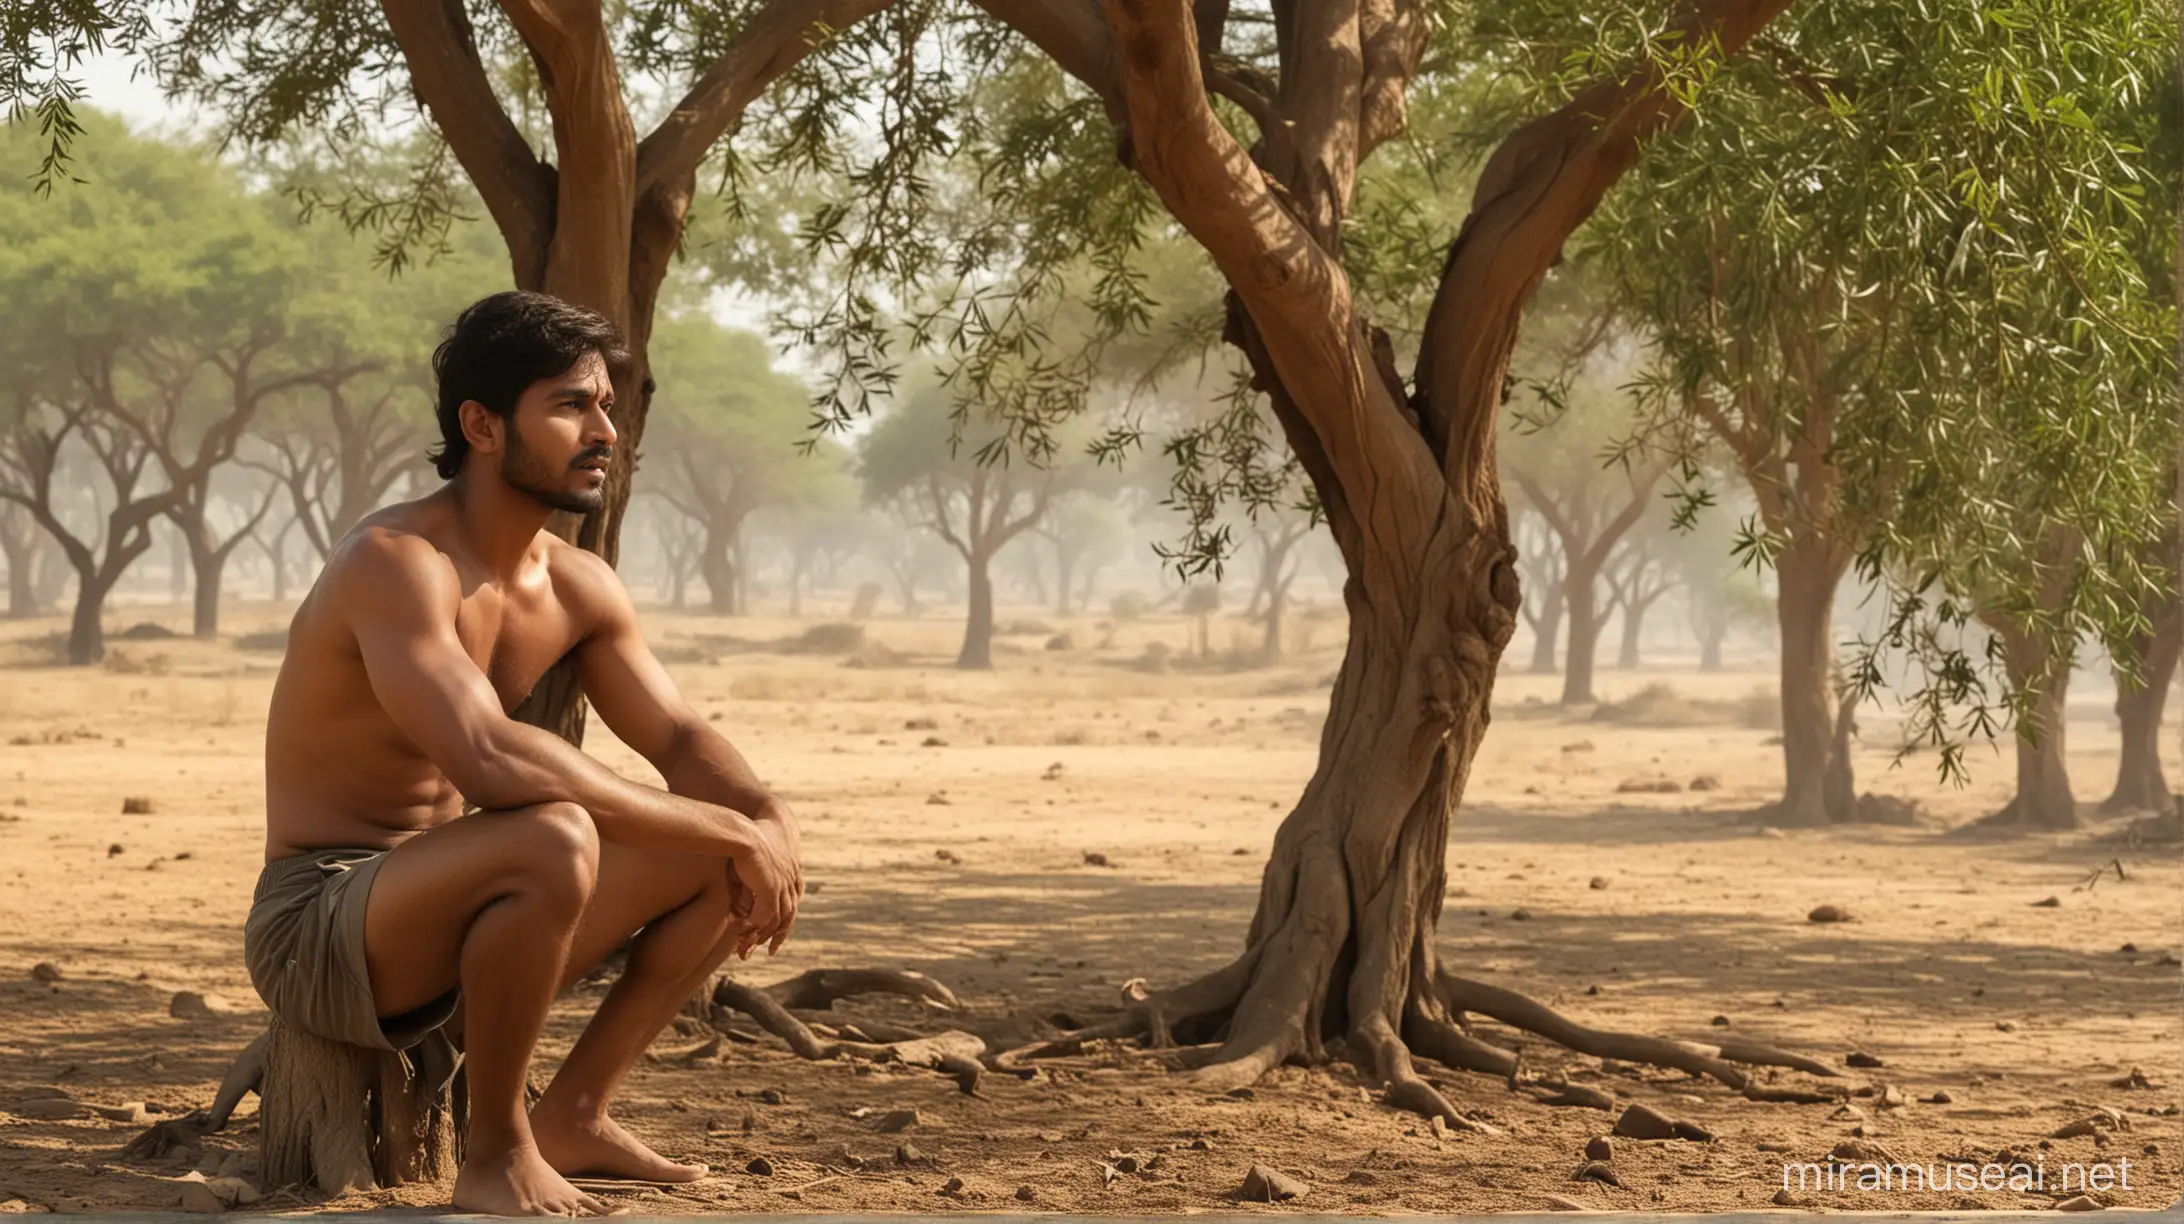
<point>524,765</point>
<point>705,766</point>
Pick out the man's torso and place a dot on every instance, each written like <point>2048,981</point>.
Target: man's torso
<point>339,772</point>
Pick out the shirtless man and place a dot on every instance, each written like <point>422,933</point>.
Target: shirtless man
<point>423,847</point>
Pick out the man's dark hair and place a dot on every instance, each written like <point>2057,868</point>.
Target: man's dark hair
<point>502,344</point>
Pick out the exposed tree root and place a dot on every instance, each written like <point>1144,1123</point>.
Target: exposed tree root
<point>951,1053</point>
<point>243,1078</point>
<point>1758,1055</point>
<point>818,989</point>
<point>1517,1011</point>
<point>1450,1046</point>
<point>1429,1030</point>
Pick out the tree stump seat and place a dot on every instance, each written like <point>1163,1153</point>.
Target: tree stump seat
<point>339,1117</point>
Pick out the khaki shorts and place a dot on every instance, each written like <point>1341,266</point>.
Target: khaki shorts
<point>304,945</point>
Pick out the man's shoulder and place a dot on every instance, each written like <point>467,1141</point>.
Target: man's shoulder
<point>584,581</point>
<point>387,556</point>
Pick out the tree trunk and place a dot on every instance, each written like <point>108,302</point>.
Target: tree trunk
<point>277,552</point>
<point>977,653</point>
<point>2043,799</point>
<point>1342,940</point>
<point>86,631</point>
<point>1813,777</point>
<point>337,1117</point>
<point>719,569</point>
<point>1579,597</point>
<point>797,566</point>
<point>742,574</point>
<point>1634,620</point>
<point>23,554</point>
<point>1277,602</point>
<point>1711,637</point>
<point>178,564</point>
<point>1546,632</point>
<point>2140,783</point>
<point>210,566</point>
<point>1065,572</point>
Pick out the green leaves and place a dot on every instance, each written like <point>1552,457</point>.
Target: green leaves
<point>1933,242</point>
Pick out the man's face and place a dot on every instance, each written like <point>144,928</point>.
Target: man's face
<point>561,437</point>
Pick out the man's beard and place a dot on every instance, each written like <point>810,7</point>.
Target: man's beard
<point>524,471</point>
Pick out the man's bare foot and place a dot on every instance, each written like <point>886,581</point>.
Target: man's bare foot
<point>599,1147</point>
<point>520,1182</point>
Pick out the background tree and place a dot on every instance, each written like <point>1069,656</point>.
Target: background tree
<point>1826,270</point>
<point>1637,577</point>
<point>1540,563</point>
<point>1564,462</point>
<point>341,442</point>
<point>144,319</point>
<point>24,543</point>
<point>730,427</point>
<point>1087,532</point>
<point>2142,692</point>
<point>915,455</point>
<point>818,517</point>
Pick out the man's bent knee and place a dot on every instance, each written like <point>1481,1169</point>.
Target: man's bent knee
<point>560,851</point>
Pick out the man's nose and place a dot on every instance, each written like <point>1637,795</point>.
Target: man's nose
<point>599,429</point>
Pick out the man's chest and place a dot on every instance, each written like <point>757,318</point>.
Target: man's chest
<point>515,639</point>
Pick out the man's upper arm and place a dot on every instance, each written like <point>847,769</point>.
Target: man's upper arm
<point>621,678</point>
<point>400,598</point>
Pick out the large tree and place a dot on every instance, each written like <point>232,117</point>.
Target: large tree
<point>1343,940</point>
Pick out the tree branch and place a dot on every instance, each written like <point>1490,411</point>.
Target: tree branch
<point>1074,35</point>
<point>451,83</point>
<point>1392,34</point>
<point>773,41</point>
<point>1541,184</point>
<point>595,150</point>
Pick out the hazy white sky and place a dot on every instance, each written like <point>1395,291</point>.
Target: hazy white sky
<point>114,84</point>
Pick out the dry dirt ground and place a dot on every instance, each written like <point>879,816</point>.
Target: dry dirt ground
<point>1656,912</point>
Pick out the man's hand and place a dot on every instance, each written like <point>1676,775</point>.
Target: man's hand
<point>768,881</point>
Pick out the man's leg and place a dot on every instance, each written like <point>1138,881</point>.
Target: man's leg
<point>683,904</point>
<point>492,902</point>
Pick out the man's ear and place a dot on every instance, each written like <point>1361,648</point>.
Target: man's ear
<point>483,428</point>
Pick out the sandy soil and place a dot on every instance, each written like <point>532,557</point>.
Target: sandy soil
<point>2023,1015</point>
